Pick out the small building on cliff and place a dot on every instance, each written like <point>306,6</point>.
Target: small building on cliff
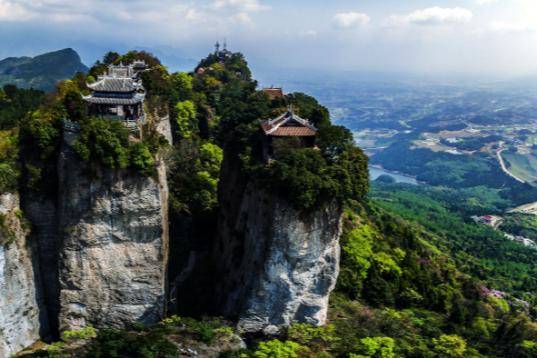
<point>118,94</point>
<point>287,131</point>
<point>274,92</point>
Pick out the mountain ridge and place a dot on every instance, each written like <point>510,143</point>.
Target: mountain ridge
<point>42,71</point>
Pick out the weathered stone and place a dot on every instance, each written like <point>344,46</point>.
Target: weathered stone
<point>279,265</point>
<point>114,228</point>
<point>19,313</point>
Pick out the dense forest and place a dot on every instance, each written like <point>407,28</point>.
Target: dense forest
<point>416,280</point>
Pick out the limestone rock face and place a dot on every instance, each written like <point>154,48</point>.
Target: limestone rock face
<point>279,265</point>
<point>19,312</point>
<point>114,248</point>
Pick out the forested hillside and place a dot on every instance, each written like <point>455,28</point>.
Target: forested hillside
<point>416,279</point>
<point>41,72</point>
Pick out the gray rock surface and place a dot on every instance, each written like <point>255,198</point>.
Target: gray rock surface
<point>114,228</point>
<point>280,265</point>
<point>19,313</point>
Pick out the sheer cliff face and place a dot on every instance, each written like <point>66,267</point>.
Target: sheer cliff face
<point>278,265</point>
<point>19,313</point>
<point>114,247</point>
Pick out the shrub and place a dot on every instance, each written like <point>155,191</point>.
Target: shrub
<point>378,347</point>
<point>278,349</point>
<point>55,350</point>
<point>112,343</point>
<point>42,132</point>
<point>172,321</point>
<point>8,177</point>
<point>141,159</point>
<point>527,349</point>
<point>84,333</point>
<point>317,338</point>
<point>186,118</point>
<point>449,346</point>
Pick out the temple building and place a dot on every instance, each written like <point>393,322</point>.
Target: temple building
<point>274,92</point>
<point>119,94</point>
<point>285,131</point>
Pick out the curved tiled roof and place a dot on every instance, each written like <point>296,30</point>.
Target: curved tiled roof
<point>288,125</point>
<point>115,84</point>
<point>115,100</point>
<point>293,132</point>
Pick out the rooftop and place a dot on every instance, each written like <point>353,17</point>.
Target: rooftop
<point>116,84</point>
<point>274,92</point>
<point>135,98</point>
<point>288,125</point>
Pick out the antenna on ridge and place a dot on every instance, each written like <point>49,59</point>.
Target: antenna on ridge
<point>217,47</point>
<point>225,44</point>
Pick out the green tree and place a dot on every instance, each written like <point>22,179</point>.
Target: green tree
<point>105,142</point>
<point>194,173</point>
<point>334,140</point>
<point>141,159</point>
<point>375,347</point>
<point>181,86</point>
<point>111,57</point>
<point>186,118</point>
<point>278,349</point>
<point>449,345</point>
<point>357,250</point>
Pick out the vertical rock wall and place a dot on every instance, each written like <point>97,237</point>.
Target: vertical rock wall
<point>114,228</point>
<point>19,313</point>
<point>277,265</point>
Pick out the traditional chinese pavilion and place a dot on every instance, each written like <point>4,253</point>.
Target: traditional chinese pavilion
<point>119,94</point>
<point>285,130</point>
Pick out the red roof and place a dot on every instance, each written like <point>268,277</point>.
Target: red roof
<point>293,132</point>
<point>288,125</point>
<point>274,92</point>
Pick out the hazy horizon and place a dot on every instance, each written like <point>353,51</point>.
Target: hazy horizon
<point>474,38</point>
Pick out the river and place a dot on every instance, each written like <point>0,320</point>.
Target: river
<point>375,172</point>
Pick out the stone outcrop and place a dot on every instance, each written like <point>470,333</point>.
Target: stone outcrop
<point>19,313</point>
<point>277,265</point>
<point>114,229</point>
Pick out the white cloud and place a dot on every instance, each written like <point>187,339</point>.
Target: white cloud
<point>243,18</point>
<point>242,5</point>
<point>12,11</point>
<point>347,20</point>
<point>433,16</point>
<point>486,2</point>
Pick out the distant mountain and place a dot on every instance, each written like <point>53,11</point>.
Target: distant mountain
<point>41,72</point>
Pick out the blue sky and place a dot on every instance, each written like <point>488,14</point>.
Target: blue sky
<point>488,37</point>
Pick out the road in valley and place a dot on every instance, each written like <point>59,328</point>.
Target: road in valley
<point>504,167</point>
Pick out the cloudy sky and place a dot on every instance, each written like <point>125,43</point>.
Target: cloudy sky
<point>486,37</point>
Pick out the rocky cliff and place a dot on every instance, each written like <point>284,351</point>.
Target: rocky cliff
<point>278,265</point>
<point>114,248</point>
<point>19,313</point>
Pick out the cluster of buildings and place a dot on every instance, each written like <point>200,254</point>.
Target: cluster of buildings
<point>119,94</point>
